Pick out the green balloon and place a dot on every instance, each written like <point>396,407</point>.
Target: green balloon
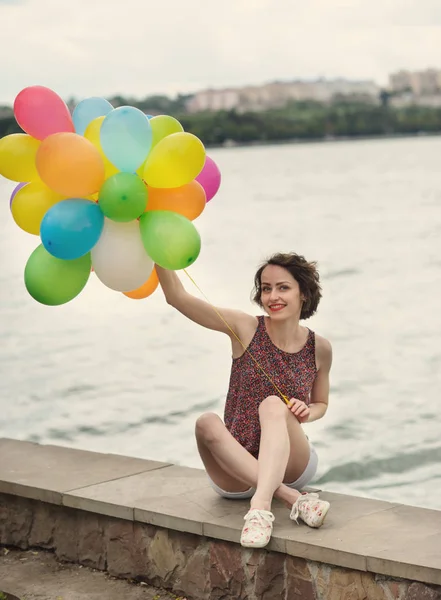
<point>123,197</point>
<point>171,240</point>
<point>53,281</point>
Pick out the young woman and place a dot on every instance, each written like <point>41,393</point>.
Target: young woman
<point>279,380</point>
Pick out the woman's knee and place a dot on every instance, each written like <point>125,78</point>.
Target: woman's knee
<point>272,407</point>
<point>208,428</point>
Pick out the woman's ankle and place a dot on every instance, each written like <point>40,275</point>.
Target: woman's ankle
<point>260,502</point>
<point>287,495</point>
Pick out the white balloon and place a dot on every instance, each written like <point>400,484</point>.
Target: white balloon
<point>119,258</point>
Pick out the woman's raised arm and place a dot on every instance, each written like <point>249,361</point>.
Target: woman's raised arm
<point>198,310</point>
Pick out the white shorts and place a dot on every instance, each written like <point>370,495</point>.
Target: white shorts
<point>305,478</point>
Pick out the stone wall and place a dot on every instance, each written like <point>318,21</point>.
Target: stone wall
<point>189,565</point>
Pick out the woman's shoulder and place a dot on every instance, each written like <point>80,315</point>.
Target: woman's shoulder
<point>246,323</point>
<point>323,351</point>
<point>246,327</point>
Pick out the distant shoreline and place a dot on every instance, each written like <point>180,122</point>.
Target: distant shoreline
<point>324,140</point>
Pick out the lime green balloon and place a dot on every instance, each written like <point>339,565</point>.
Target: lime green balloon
<point>53,281</point>
<point>171,240</point>
<point>123,197</point>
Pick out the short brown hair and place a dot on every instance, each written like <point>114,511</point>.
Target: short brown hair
<point>304,272</point>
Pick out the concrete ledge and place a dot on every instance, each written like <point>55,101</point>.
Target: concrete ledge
<point>46,472</point>
<point>360,535</point>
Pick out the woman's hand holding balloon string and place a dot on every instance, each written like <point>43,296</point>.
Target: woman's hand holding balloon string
<point>299,409</point>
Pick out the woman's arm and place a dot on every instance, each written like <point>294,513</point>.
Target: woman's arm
<point>202,312</point>
<point>320,390</point>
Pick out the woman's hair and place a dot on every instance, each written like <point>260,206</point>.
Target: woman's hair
<point>304,272</point>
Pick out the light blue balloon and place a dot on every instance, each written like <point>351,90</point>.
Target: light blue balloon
<point>87,111</point>
<point>71,228</point>
<point>126,138</point>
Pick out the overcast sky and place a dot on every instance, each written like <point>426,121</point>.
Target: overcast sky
<point>133,47</point>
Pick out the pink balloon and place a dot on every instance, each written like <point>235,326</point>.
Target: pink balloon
<point>17,188</point>
<point>209,178</point>
<point>41,112</point>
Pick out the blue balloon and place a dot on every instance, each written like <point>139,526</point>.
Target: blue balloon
<point>126,138</point>
<point>71,228</point>
<point>87,111</point>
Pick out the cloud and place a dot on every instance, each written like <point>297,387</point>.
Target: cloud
<point>140,48</point>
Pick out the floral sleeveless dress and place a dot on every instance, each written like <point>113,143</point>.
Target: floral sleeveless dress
<point>293,373</point>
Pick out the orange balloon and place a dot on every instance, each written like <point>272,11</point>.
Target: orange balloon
<point>188,200</point>
<point>70,165</point>
<point>146,289</point>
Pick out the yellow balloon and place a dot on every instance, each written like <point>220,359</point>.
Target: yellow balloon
<point>92,133</point>
<point>31,203</point>
<point>162,126</point>
<point>17,157</point>
<point>174,161</point>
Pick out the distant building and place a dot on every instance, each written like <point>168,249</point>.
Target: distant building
<point>419,83</point>
<point>279,94</point>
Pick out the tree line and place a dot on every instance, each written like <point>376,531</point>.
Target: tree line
<point>306,120</point>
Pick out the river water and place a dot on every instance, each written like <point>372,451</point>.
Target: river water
<point>110,374</point>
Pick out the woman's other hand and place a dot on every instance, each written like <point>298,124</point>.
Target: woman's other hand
<point>299,409</point>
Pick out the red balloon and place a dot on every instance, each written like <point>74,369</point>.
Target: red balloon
<point>41,112</point>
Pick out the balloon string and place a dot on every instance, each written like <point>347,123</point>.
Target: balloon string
<point>285,398</point>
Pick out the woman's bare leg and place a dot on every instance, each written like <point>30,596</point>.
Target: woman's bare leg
<point>284,451</point>
<point>234,469</point>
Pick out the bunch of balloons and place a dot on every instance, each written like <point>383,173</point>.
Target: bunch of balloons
<point>109,190</point>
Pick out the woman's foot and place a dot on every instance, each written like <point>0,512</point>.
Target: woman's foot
<point>256,532</point>
<point>310,510</point>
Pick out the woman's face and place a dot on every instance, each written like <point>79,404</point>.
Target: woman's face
<point>280,293</point>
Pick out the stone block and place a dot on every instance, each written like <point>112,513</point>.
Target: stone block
<point>142,537</point>
<point>270,576</point>
<point>298,581</point>
<point>395,590</point>
<point>121,539</point>
<point>164,561</point>
<point>342,584</point>
<point>227,574</point>
<point>298,568</point>
<point>320,575</point>
<point>43,525</point>
<point>298,589</point>
<point>66,535</point>
<point>194,580</point>
<point>16,515</point>
<point>371,588</point>
<point>168,558</point>
<point>251,560</point>
<point>346,585</point>
<point>92,542</point>
<point>419,591</point>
